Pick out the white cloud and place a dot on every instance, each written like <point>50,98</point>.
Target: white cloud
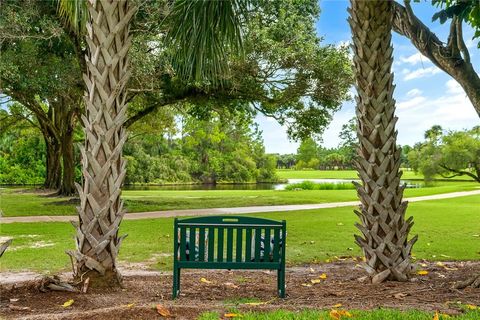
<point>453,110</point>
<point>413,59</point>
<point>414,102</point>
<point>453,87</point>
<point>414,92</point>
<point>421,73</point>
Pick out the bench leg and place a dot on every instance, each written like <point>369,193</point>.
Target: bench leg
<point>281,283</point>
<point>176,282</point>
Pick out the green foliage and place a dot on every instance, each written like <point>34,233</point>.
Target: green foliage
<point>468,11</point>
<point>22,154</point>
<point>201,33</point>
<point>309,185</point>
<point>306,152</point>
<point>226,148</point>
<point>449,155</point>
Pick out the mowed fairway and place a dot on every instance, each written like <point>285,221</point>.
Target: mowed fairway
<point>344,174</point>
<point>448,230</point>
<point>14,202</point>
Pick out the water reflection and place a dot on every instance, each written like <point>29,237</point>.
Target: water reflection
<point>251,186</point>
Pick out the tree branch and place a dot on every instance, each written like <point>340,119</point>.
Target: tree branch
<point>460,68</point>
<point>460,173</point>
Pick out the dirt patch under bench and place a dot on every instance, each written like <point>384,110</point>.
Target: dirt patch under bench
<point>343,283</point>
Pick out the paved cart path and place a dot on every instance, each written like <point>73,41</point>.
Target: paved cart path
<point>237,210</point>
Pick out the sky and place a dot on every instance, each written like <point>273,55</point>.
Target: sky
<point>425,95</point>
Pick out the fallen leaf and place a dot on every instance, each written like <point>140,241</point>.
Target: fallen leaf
<point>306,284</point>
<point>130,305</point>
<point>312,270</point>
<point>17,308</point>
<point>471,307</point>
<point>334,314</point>
<point>231,285</point>
<point>338,314</point>
<point>435,316</point>
<point>422,272</point>
<point>323,276</point>
<point>450,269</point>
<point>232,315</point>
<point>338,305</point>
<point>258,303</point>
<point>400,295</point>
<point>423,265</point>
<point>315,281</point>
<point>164,312</point>
<point>205,280</point>
<point>68,303</point>
<point>440,264</point>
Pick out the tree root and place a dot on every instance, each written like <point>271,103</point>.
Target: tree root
<point>473,282</point>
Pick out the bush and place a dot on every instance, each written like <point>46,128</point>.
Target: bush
<point>309,185</point>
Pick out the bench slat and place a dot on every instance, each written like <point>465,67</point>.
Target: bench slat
<point>238,252</point>
<point>201,244</point>
<point>220,245</point>
<point>211,243</point>
<point>192,246</point>
<point>229,244</point>
<point>258,241</point>
<point>276,244</point>
<point>248,245</point>
<point>266,252</point>
<point>183,244</point>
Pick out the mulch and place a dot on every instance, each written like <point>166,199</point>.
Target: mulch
<point>224,290</point>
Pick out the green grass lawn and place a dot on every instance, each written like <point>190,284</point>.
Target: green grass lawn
<point>343,174</point>
<point>15,203</point>
<point>382,314</point>
<point>448,230</point>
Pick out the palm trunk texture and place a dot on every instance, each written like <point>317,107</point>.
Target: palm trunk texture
<point>382,211</point>
<point>101,209</point>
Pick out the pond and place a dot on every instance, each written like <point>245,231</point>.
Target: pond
<point>251,186</point>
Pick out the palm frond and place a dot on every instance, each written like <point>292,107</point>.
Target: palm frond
<point>74,14</point>
<point>201,33</point>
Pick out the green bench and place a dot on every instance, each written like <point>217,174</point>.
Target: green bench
<point>229,242</point>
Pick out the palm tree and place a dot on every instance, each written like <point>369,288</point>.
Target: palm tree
<point>203,25</point>
<point>382,212</point>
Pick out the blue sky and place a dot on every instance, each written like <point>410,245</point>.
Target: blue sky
<point>425,95</point>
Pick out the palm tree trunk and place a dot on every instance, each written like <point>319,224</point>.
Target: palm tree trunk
<point>382,211</point>
<point>101,209</point>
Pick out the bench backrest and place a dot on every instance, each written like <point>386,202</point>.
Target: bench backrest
<point>229,240</point>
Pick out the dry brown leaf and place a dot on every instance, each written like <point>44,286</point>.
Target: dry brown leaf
<point>164,312</point>
<point>18,308</point>
<point>400,295</point>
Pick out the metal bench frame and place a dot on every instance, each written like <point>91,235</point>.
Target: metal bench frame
<point>220,255</point>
